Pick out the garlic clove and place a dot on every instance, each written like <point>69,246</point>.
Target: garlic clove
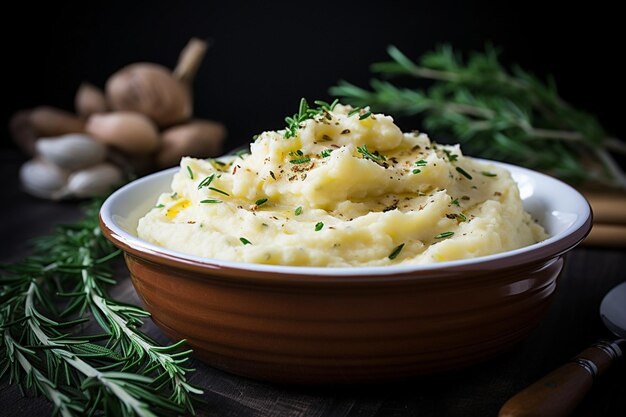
<point>89,100</point>
<point>49,122</point>
<point>42,178</point>
<point>22,131</point>
<point>152,90</point>
<point>130,132</point>
<point>72,151</point>
<point>92,181</point>
<point>198,138</point>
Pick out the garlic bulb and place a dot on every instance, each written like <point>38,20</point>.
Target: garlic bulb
<point>94,180</point>
<point>48,121</point>
<point>150,89</point>
<point>89,100</point>
<point>71,151</point>
<point>154,90</point>
<point>198,138</point>
<point>43,179</point>
<point>130,132</point>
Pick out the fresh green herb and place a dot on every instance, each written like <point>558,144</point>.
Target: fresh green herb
<point>325,153</point>
<point>44,301</point>
<point>174,196</point>
<point>245,241</point>
<point>496,113</point>
<point>354,111</point>
<point>210,201</point>
<point>455,202</point>
<point>319,226</point>
<point>444,235</point>
<point>159,206</point>
<point>421,163</point>
<point>298,211</point>
<point>300,160</point>
<point>451,157</point>
<point>190,172</point>
<point>296,153</point>
<point>217,190</point>
<point>417,171</point>
<point>489,174</point>
<point>365,115</point>
<point>463,172</point>
<point>220,163</point>
<point>373,156</point>
<point>394,254</point>
<point>207,181</point>
<point>261,201</point>
<point>240,153</point>
<point>461,217</point>
<point>304,113</point>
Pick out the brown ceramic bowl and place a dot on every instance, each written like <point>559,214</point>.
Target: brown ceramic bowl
<point>349,325</point>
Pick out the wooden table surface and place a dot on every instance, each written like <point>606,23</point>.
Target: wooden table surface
<point>571,324</point>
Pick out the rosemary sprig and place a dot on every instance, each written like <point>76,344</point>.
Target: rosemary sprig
<point>43,300</point>
<point>304,113</point>
<point>497,113</point>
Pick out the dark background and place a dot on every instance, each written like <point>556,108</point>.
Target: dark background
<point>266,56</point>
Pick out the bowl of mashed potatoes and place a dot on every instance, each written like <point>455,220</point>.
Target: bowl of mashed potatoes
<point>343,250</point>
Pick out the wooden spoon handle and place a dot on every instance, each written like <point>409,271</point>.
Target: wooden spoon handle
<point>558,393</point>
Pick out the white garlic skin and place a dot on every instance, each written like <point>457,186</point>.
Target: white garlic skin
<point>43,179</point>
<point>95,180</point>
<point>72,151</point>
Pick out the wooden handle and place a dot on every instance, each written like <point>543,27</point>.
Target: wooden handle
<point>558,393</point>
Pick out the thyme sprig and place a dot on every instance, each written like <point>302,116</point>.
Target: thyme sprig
<point>44,300</point>
<point>496,113</point>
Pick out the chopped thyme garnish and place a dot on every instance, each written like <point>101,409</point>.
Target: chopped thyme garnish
<point>245,241</point>
<point>300,161</point>
<point>373,156</point>
<point>240,153</point>
<point>174,196</point>
<point>318,226</point>
<point>365,115</point>
<point>210,201</point>
<point>298,211</point>
<point>396,251</point>
<point>489,174</point>
<point>296,153</point>
<point>463,172</point>
<point>417,171</point>
<point>217,190</point>
<point>190,172</point>
<point>451,157</point>
<point>261,201</point>
<point>455,202</point>
<point>444,235</point>
<point>354,111</point>
<point>421,163</point>
<point>220,163</point>
<point>159,206</point>
<point>461,217</point>
<point>325,153</point>
<point>206,182</point>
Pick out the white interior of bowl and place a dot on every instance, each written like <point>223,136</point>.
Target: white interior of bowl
<point>559,208</point>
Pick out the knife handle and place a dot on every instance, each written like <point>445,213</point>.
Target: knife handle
<point>558,393</point>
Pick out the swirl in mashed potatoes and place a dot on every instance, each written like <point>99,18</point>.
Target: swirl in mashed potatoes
<point>349,189</point>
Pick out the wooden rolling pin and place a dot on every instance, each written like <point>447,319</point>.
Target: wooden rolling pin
<point>609,219</point>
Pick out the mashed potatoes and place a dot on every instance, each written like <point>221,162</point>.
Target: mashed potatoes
<point>347,189</point>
